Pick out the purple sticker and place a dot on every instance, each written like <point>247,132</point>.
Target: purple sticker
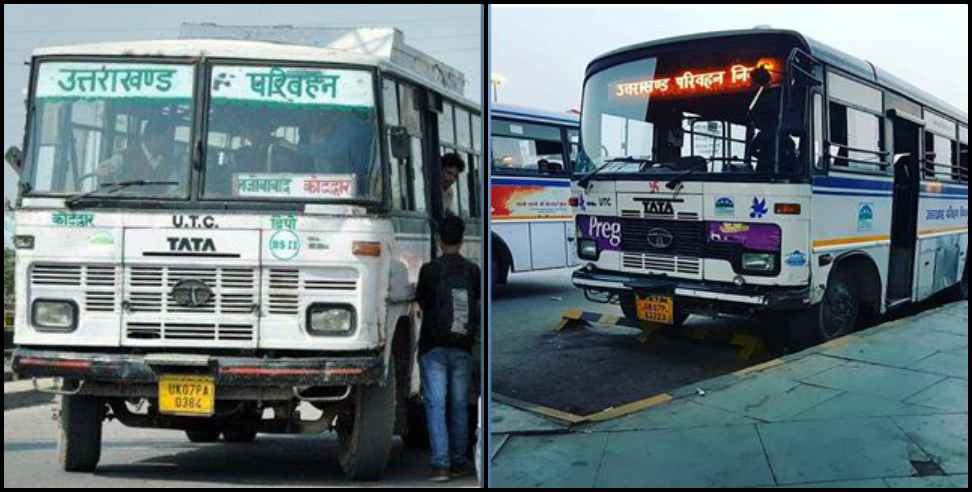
<point>756,237</point>
<point>606,231</point>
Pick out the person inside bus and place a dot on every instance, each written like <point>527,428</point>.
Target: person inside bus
<point>254,155</point>
<point>151,159</point>
<point>452,167</point>
<point>338,142</point>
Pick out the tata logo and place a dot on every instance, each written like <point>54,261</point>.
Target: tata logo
<point>192,293</point>
<point>658,207</point>
<point>191,245</point>
<point>660,238</point>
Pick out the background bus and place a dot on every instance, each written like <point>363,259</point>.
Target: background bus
<point>533,155</point>
<point>788,179</point>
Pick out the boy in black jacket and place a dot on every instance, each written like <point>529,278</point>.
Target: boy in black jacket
<point>449,294</point>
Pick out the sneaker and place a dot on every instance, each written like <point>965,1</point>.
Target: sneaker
<point>440,475</point>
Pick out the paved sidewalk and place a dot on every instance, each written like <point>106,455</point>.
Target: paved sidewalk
<point>887,407</point>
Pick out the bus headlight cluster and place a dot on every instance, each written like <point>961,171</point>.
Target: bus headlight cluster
<point>55,315</point>
<point>587,249</point>
<point>759,262</point>
<point>329,319</point>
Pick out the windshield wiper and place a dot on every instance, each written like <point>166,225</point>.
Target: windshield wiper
<point>110,188</point>
<point>677,180</point>
<point>583,182</point>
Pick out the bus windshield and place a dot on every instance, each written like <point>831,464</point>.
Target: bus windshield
<point>96,125</point>
<point>698,112</point>
<point>288,133</point>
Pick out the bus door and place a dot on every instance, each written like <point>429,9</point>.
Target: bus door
<point>904,228</point>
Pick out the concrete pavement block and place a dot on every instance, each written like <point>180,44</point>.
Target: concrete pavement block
<point>954,364</point>
<point>850,405</point>
<point>704,457</point>
<point>676,415</point>
<point>853,484</point>
<point>951,395</point>
<point>838,450</point>
<point>564,461</point>
<point>767,398</point>
<point>954,482</point>
<point>884,382</point>
<point>944,437</point>
<point>504,419</point>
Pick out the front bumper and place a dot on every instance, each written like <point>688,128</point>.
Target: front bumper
<point>697,297</point>
<point>123,369</point>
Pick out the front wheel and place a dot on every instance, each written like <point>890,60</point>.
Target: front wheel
<point>79,440</point>
<point>366,433</point>
<point>836,316</point>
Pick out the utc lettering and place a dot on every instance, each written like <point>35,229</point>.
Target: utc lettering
<point>191,245</point>
<point>193,222</point>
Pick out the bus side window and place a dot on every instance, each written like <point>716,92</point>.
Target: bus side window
<point>573,140</point>
<point>939,160</point>
<point>524,148</point>
<point>415,187</point>
<point>390,108</point>
<point>476,175</point>
<point>963,154</point>
<point>818,129</point>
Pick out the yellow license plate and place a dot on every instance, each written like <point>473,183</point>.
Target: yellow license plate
<point>656,309</point>
<point>192,396</point>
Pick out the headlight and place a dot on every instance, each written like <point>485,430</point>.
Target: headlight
<point>24,242</point>
<point>55,315</point>
<point>323,319</point>
<point>587,249</point>
<point>759,262</point>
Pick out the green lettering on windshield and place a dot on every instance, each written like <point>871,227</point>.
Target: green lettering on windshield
<point>278,82</point>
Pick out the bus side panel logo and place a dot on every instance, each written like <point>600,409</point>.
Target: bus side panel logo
<point>284,245</point>
<point>796,259</point>
<point>865,217</point>
<point>725,207</point>
<point>759,208</point>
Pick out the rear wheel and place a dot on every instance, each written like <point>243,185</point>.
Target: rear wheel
<point>964,286</point>
<point>365,434</point>
<point>203,437</point>
<point>79,440</point>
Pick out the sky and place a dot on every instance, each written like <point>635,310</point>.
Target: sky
<point>542,52</point>
<point>451,33</point>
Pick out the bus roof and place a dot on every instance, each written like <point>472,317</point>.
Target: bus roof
<point>379,47</point>
<point>537,115</point>
<point>826,54</point>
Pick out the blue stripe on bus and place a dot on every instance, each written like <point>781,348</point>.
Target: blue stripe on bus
<point>945,197</point>
<point>853,184</point>
<point>531,182</point>
<point>844,193</point>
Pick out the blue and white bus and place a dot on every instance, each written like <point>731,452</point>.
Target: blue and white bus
<point>533,155</point>
<point>758,173</point>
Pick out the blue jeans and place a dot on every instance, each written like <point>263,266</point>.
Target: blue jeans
<point>445,389</point>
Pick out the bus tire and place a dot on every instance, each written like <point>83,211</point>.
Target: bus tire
<point>79,440</point>
<point>366,440</point>
<point>203,437</point>
<point>836,316</point>
<point>240,436</point>
<point>964,286</point>
<point>630,310</point>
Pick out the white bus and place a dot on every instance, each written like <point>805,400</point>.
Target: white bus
<point>759,173</point>
<point>533,154</point>
<point>214,232</point>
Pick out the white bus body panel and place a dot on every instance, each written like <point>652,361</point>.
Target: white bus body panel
<point>320,268</point>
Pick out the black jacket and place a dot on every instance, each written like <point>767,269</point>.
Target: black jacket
<point>429,276</point>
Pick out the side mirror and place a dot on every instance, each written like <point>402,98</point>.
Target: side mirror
<point>15,158</point>
<point>401,143</point>
<point>762,76</point>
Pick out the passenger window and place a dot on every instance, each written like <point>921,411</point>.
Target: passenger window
<point>940,163</point>
<point>523,148</point>
<point>856,139</point>
<point>447,129</point>
<point>818,153</point>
